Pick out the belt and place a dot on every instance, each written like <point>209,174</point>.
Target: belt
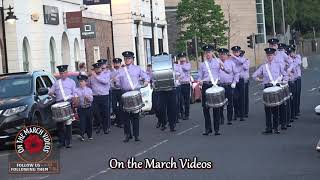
<point>185,82</point>
<point>207,82</point>
<point>85,107</point>
<point>225,84</point>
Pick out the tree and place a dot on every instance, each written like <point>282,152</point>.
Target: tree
<point>202,19</point>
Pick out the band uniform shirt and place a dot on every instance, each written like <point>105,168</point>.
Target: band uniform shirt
<point>245,70</point>
<point>276,71</point>
<point>203,73</point>
<point>185,75</point>
<point>135,73</point>
<point>114,74</point>
<point>100,84</point>
<point>239,63</point>
<point>69,87</point>
<point>83,92</point>
<point>230,73</point>
<point>291,69</point>
<point>297,61</point>
<point>178,73</point>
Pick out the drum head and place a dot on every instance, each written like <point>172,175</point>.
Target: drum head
<point>61,104</point>
<point>130,93</point>
<point>272,89</point>
<point>214,90</point>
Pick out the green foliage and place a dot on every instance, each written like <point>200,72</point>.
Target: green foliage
<point>203,19</point>
<point>301,15</point>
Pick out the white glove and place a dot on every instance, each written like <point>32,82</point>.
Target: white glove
<point>233,85</point>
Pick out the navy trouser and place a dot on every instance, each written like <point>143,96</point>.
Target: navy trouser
<point>178,100</point>
<point>130,121</point>
<point>216,112</point>
<point>185,99</point>
<point>229,95</point>
<point>293,99</point>
<point>85,115</point>
<point>167,108</point>
<point>272,115</point>
<point>116,102</point>
<point>101,111</point>
<point>298,85</point>
<point>246,99</point>
<point>240,99</point>
<point>64,133</point>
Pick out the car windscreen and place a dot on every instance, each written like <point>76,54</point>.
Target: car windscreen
<point>15,87</point>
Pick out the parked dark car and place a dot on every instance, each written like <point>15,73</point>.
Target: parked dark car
<point>24,100</point>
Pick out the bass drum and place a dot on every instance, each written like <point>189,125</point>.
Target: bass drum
<point>163,73</point>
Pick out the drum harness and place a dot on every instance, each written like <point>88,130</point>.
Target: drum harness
<point>65,98</point>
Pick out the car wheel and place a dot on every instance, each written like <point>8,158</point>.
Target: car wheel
<point>36,119</point>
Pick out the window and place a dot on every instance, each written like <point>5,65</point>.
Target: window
<point>160,44</point>
<point>47,81</point>
<point>96,53</point>
<point>52,48</point>
<point>26,54</point>
<point>261,36</point>
<point>147,46</point>
<point>39,84</point>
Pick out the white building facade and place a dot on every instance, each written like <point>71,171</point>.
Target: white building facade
<point>36,42</point>
<point>132,28</point>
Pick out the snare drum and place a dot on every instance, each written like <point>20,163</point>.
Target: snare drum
<point>163,73</point>
<point>286,91</point>
<point>61,111</point>
<point>273,96</point>
<point>215,97</point>
<point>132,101</point>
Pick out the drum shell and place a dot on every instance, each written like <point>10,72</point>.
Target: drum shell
<point>132,103</point>
<point>275,98</point>
<point>286,92</point>
<point>62,113</point>
<point>215,100</point>
<point>163,73</point>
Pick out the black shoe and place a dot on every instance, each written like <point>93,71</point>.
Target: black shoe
<point>81,138</point>
<point>276,131</point>
<point>136,139</point>
<point>106,132</point>
<point>185,118</point>
<point>69,146</point>
<point>158,125</point>
<point>61,145</point>
<point>246,116</point>
<point>98,131</point>
<point>217,134</point>
<point>126,139</point>
<point>295,118</point>
<point>289,125</point>
<point>207,133</point>
<point>163,128</point>
<point>229,123</point>
<point>235,119</point>
<point>283,128</point>
<point>242,119</point>
<point>172,130</point>
<point>291,120</point>
<point>267,132</point>
<point>130,137</point>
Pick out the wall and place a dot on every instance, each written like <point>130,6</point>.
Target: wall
<point>39,34</point>
<point>103,40</point>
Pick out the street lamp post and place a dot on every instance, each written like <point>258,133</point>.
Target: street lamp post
<point>10,18</point>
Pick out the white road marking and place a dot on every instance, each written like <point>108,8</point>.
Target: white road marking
<point>99,173</point>
<point>32,177</point>
<point>4,154</point>
<point>313,89</point>
<point>151,148</point>
<point>180,133</point>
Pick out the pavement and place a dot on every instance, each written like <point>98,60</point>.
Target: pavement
<point>240,153</point>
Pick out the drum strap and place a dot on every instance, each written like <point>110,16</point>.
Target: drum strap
<point>65,98</point>
<point>214,82</point>
<point>274,82</point>
<point>129,78</point>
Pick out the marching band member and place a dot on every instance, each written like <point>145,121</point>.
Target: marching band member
<point>291,70</point>
<point>240,87</point>
<point>155,97</point>
<point>104,64</point>
<point>99,82</point>
<point>245,75</point>
<point>116,93</point>
<point>85,99</point>
<point>208,70</point>
<point>185,85</point>
<point>282,59</point>
<point>229,77</point>
<point>128,80</point>
<point>178,73</point>
<point>297,60</point>
<point>64,90</point>
<point>271,72</point>
<point>167,106</point>
<point>82,68</point>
